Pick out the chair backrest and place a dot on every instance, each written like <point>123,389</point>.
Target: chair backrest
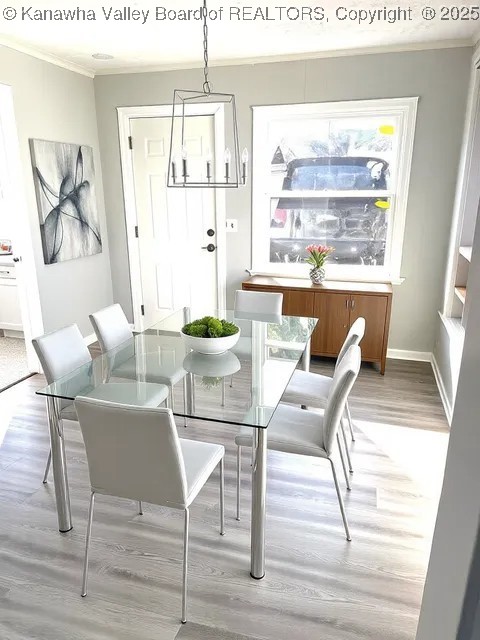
<point>354,336</point>
<point>133,452</point>
<point>258,302</point>
<point>344,377</point>
<point>61,352</point>
<point>111,327</point>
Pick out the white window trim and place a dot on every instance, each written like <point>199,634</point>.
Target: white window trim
<point>405,109</point>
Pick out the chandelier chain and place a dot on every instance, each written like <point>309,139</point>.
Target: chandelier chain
<point>206,85</point>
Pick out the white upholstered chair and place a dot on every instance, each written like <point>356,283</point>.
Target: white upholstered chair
<point>135,453</point>
<point>251,304</point>
<point>311,389</point>
<point>309,433</point>
<point>254,305</point>
<point>63,351</point>
<point>112,329</point>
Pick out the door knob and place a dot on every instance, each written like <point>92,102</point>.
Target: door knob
<point>210,248</point>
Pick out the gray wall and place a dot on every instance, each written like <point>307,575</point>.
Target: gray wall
<point>439,77</point>
<point>55,104</point>
<point>454,545</point>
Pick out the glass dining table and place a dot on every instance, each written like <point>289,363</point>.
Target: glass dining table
<point>241,387</point>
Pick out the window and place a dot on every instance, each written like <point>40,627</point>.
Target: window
<point>333,174</point>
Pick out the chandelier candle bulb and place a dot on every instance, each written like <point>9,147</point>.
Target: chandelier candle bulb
<point>184,163</point>
<point>209,166</point>
<point>228,157</point>
<point>244,165</point>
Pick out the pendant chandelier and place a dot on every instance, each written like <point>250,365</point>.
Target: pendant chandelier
<point>191,163</point>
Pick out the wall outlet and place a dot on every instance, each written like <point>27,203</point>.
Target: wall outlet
<point>232,225</point>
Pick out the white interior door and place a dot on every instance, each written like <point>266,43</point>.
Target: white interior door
<point>174,225</point>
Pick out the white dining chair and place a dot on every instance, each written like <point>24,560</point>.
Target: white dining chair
<point>311,389</point>
<point>254,305</point>
<point>310,433</point>
<point>63,351</point>
<point>135,453</point>
<point>112,330</point>
<point>258,303</point>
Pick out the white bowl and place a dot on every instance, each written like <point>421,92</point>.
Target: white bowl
<point>210,346</point>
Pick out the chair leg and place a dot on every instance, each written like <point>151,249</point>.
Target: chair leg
<point>222,497</point>
<point>347,451</point>
<point>340,501</point>
<point>340,450</point>
<point>185,566</point>
<point>350,423</point>
<point>87,544</point>
<point>239,471</point>
<point>140,508</point>
<point>47,467</point>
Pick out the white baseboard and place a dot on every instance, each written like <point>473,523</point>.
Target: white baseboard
<point>8,333</point>
<point>401,354</point>
<point>90,339</point>
<point>441,388</point>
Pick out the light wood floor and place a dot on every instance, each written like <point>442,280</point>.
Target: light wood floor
<point>317,584</point>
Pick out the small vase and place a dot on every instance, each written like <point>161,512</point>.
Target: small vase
<point>317,275</point>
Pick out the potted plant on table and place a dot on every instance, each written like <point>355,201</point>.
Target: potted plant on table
<point>210,336</point>
<point>318,255</point>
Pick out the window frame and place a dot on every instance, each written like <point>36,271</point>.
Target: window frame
<point>404,110</point>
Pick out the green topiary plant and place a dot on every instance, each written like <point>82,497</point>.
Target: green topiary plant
<point>210,327</point>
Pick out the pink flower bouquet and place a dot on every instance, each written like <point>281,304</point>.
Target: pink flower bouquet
<point>318,254</point>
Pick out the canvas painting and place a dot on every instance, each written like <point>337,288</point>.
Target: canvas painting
<point>64,178</point>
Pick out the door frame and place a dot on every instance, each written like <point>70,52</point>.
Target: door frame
<point>125,115</point>
<point>27,282</point>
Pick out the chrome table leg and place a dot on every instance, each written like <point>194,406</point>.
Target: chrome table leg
<point>259,492</point>
<point>60,480</point>
<point>306,356</point>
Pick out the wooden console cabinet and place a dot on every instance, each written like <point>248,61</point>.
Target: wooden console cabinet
<point>337,305</point>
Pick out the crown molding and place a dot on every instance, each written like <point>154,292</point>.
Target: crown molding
<point>46,57</point>
<point>294,57</point>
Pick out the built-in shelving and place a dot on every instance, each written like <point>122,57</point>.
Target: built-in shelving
<point>461,293</point>
<point>466,252</point>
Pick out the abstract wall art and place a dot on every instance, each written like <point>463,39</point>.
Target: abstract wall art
<point>64,178</point>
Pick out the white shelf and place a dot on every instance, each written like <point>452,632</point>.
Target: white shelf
<point>461,293</point>
<point>466,252</point>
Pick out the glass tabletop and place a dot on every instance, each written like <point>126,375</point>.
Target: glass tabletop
<point>242,385</point>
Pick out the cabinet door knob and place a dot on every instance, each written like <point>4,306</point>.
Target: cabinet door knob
<point>16,259</point>
<point>353,304</point>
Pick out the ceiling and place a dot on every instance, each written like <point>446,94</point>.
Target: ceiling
<point>236,35</point>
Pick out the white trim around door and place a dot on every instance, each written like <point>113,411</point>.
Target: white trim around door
<point>125,114</point>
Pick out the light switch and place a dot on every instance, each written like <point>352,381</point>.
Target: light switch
<point>232,225</point>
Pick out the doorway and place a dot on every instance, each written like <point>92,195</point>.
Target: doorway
<point>20,314</point>
<point>176,237</point>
